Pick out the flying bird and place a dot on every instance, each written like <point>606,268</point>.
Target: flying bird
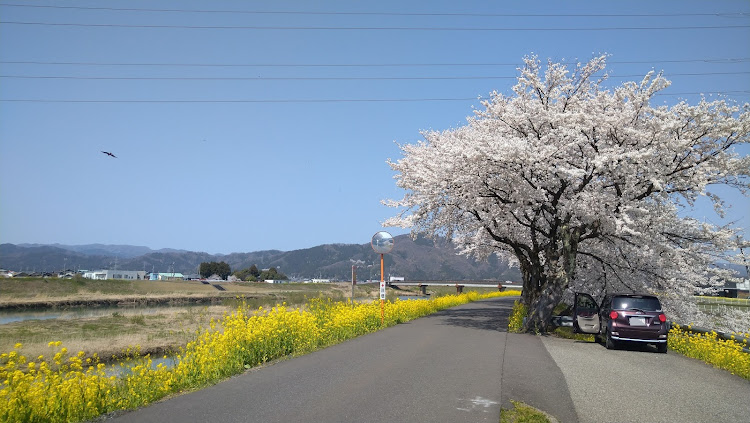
<point>109,154</point>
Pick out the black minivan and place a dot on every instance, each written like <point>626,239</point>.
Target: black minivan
<point>622,318</point>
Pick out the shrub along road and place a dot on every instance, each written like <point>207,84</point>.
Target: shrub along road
<point>458,365</point>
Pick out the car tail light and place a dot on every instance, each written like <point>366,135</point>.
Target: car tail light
<point>662,317</point>
<point>612,314</point>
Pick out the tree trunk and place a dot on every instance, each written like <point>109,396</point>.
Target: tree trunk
<point>540,311</point>
<point>544,286</point>
<point>533,280</point>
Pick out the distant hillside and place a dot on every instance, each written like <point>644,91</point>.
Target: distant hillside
<point>121,251</point>
<point>43,258</point>
<point>420,260</point>
<point>413,260</point>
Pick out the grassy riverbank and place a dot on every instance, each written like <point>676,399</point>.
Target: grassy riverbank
<point>162,329</point>
<point>26,293</point>
<point>108,336</point>
<point>165,329</point>
<point>64,386</point>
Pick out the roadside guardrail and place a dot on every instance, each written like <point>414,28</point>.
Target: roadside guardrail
<point>723,335</point>
<point>715,303</point>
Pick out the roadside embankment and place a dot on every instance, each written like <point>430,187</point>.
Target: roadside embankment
<point>242,340</point>
<point>104,318</point>
<point>122,301</point>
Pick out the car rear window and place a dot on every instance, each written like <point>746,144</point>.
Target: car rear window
<point>636,302</point>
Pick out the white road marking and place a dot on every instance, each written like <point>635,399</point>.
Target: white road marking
<point>478,402</point>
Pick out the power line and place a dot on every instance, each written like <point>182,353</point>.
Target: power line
<point>333,65</point>
<point>281,12</point>
<point>369,65</point>
<point>713,61</point>
<point>258,78</point>
<point>315,78</point>
<point>331,100</point>
<point>367,28</point>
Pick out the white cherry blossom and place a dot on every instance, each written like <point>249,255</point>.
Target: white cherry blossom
<point>582,186</point>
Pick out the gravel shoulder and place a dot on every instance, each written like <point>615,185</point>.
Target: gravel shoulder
<point>637,384</point>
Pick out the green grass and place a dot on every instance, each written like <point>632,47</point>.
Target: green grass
<point>167,329</point>
<point>522,413</point>
<point>108,335</point>
<point>716,304</point>
<point>567,333</point>
<point>29,287</point>
<point>91,328</point>
<point>439,291</point>
<point>49,292</point>
<point>515,322</point>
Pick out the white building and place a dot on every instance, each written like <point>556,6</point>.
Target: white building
<point>171,276</point>
<point>743,289</point>
<point>116,274</point>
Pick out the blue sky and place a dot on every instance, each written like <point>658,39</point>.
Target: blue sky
<point>273,135</point>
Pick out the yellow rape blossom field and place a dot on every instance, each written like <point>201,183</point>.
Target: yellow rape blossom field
<point>65,387</point>
<point>708,347</point>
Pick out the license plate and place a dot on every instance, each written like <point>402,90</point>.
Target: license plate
<point>637,321</point>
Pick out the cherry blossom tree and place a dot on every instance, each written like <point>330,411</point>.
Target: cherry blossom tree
<point>583,186</point>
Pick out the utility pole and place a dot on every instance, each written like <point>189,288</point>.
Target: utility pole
<point>354,281</point>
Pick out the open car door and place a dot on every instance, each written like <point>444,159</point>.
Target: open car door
<point>586,314</point>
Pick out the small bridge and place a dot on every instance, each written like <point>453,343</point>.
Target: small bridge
<point>500,285</point>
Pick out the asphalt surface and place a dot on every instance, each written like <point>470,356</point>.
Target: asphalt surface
<point>458,365</point>
<point>637,384</point>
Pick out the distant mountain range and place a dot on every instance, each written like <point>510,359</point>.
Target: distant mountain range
<point>121,251</point>
<point>420,259</point>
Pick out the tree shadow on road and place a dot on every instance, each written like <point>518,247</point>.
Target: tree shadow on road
<point>636,347</point>
<point>489,315</point>
<point>622,346</point>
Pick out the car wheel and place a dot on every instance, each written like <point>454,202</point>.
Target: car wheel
<point>610,343</point>
<point>662,348</point>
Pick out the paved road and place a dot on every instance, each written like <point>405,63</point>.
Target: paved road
<point>458,365</point>
<point>639,385</point>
